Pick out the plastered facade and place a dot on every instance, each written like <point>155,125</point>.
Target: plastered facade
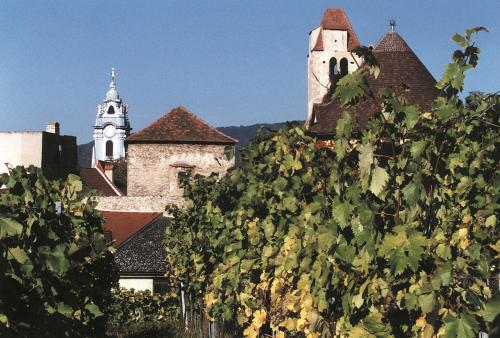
<point>153,169</point>
<point>55,154</point>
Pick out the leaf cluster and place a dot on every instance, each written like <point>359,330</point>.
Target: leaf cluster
<point>57,271</point>
<point>388,232</point>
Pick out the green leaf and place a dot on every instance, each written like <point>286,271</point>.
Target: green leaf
<point>64,309</point>
<point>464,327</point>
<point>417,148</point>
<point>379,180</point>
<point>350,87</point>
<point>492,308</point>
<point>9,227</point>
<point>427,302</point>
<point>460,40</point>
<point>412,114</point>
<point>19,255</point>
<point>411,192</point>
<point>341,212</point>
<point>365,158</point>
<point>56,260</point>
<point>94,310</point>
<point>229,152</point>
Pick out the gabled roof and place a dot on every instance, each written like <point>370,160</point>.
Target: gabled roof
<point>95,178</point>
<point>336,19</point>
<point>143,252</point>
<point>180,126</point>
<point>124,224</point>
<point>399,67</point>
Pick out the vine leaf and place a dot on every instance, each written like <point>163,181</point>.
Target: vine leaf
<point>9,227</point>
<point>379,180</point>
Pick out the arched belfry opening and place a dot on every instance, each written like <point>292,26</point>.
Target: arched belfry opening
<point>333,68</point>
<point>111,110</point>
<point>109,148</point>
<point>344,67</point>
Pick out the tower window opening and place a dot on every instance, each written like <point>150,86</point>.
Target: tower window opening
<point>111,110</point>
<point>343,67</point>
<point>333,68</point>
<point>109,148</point>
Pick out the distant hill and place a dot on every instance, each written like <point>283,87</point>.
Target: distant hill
<point>242,133</point>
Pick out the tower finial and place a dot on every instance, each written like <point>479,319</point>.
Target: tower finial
<point>392,25</point>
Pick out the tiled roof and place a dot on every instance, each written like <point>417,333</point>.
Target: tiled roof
<point>124,224</point>
<point>97,180</point>
<point>399,67</point>
<point>180,125</point>
<point>143,252</point>
<point>336,19</point>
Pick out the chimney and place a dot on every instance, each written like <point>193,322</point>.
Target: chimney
<point>108,169</point>
<point>52,127</point>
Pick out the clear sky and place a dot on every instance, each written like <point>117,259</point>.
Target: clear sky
<point>231,62</point>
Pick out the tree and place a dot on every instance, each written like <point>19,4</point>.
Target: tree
<point>57,271</point>
<point>388,232</point>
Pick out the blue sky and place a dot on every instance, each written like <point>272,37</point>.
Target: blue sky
<point>231,62</point>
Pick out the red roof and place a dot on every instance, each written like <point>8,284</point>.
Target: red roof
<point>97,180</point>
<point>399,68</point>
<point>336,19</point>
<point>124,224</point>
<point>179,126</point>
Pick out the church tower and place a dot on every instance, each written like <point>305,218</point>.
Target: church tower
<point>330,55</point>
<point>111,126</point>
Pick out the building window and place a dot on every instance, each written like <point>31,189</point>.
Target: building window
<point>343,67</point>
<point>160,286</point>
<point>111,110</point>
<point>109,148</point>
<point>333,68</point>
<point>183,176</point>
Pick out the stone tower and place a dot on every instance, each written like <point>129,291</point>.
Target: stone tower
<point>330,55</point>
<point>111,126</point>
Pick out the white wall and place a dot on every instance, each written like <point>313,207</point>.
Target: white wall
<point>138,284</point>
<point>20,148</point>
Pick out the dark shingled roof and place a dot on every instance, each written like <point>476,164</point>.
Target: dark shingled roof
<point>180,126</point>
<point>123,224</point>
<point>336,19</point>
<point>398,66</point>
<point>143,252</point>
<point>97,180</point>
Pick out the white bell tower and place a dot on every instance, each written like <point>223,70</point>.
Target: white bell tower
<point>111,126</point>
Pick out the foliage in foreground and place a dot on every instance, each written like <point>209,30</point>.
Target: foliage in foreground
<point>57,271</point>
<point>391,232</point>
<point>135,307</point>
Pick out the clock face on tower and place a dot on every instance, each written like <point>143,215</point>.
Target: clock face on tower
<point>109,131</point>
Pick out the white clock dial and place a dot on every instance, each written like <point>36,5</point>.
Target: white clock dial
<point>109,131</point>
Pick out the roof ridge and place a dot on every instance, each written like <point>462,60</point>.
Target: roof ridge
<point>208,124</point>
<point>141,230</point>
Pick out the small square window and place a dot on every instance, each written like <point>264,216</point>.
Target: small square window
<point>183,176</point>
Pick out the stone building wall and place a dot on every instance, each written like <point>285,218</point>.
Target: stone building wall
<point>153,169</point>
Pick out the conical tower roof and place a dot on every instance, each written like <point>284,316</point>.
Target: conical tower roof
<point>400,69</point>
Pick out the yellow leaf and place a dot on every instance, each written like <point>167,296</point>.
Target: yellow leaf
<point>250,332</point>
<point>280,335</point>
<point>467,219</point>
<point>421,321</point>
<point>259,318</point>
<point>290,324</point>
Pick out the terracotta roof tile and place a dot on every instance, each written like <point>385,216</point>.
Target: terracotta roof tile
<point>94,179</point>
<point>124,224</point>
<point>336,19</point>
<point>180,125</point>
<point>398,66</point>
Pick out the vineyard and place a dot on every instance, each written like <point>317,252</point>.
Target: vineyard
<point>391,231</point>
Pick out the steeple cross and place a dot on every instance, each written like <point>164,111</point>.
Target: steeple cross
<point>113,74</point>
<point>392,25</point>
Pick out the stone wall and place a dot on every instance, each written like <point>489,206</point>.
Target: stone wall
<point>153,169</point>
<point>137,203</point>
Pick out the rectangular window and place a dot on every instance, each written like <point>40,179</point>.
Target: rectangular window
<point>183,176</point>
